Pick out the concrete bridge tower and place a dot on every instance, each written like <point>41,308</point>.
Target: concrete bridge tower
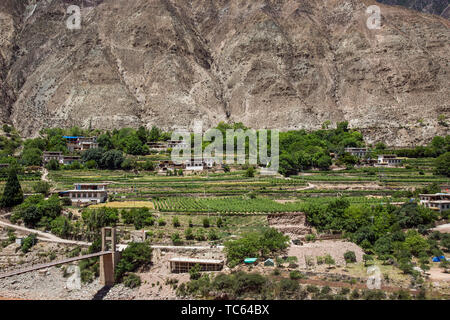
<point>108,261</point>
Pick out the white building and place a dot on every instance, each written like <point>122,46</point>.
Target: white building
<point>47,156</point>
<point>87,193</point>
<point>199,164</point>
<point>389,160</point>
<point>357,152</point>
<point>438,201</point>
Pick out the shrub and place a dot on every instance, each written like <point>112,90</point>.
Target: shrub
<point>188,234</point>
<point>328,259</point>
<point>161,222</point>
<point>132,280</point>
<point>350,257</point>
<point>194,272</point>
<point>91,164</point>
<point>205,222</point>
<point>367,258</point>
<point>87,276</point>
<point>250,172</point>
<point>288,286</point>
<point>53,165</point>
<point>28,243</point>
<point>200,235</point>
<point>176,239</point>
<point>312,288</point>
<point>296,275</point>
<point>136,255</point>
<point>212,235</point>
<point>176,222</point>
<point>42,187</point>
<point>355,294</point>
<point>325,290</point>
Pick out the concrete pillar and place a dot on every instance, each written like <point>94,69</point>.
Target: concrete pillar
<point>109,261</point>
<point>107,270</point>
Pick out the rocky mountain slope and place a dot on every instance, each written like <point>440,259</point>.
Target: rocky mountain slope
<point>439,7</point>
<point>269,63</point>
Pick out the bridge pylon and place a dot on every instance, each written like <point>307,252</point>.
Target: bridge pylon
<point>109,261</point>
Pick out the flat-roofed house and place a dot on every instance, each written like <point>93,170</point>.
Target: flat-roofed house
<point>66,160</point>
<point>182,265</point>
<point>47,156</point>
<point>438,201</point>
<point>177,144</point>
<point>199,164</point>
<point>158,146</point>
<point>169,165</point>
<point>87,193</point>
<point>389,160</point>
<point>357,152</point>
<point>79,144</point>
<point>195,165</point>
<point>51,155</point>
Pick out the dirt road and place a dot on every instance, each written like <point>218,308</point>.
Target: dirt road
<point>44,236</point>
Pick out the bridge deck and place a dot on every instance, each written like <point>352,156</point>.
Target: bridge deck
<point>51,264</point>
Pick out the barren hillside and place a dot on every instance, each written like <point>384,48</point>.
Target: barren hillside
<point>274,63</point>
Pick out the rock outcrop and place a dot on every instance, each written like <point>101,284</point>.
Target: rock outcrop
<point>284,64</point>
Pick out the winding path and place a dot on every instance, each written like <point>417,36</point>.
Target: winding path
<point>44,236</point>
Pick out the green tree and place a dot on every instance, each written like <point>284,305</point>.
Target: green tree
<point>154,134</point>
<point>141,133</point>
<point>53,165</point>
<point>105,142</point>
<point>112,160</point>
<point>31,157</point>
<point>42,187</point>
<point>12,194</point>
<point>442,164</point>
<point>350,257</point>
<point>135,256</point>
<point>324,162</point>
<point>61,226</point>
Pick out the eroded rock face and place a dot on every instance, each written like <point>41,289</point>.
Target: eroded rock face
<point>439,7</point>
<point>284,64</point>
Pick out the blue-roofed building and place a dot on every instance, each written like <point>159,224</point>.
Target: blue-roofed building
<point>80,143</point>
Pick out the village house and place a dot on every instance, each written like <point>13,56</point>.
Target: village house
<point>438,201</point>
<point>357,152</point>
<point>169,165</point>
<point>87,193</point>
<point>389,160</point>
<point>183,265</point>
<point>177,144</point>
<point>199,164</point>
<point>158,146</point>
<point>79,144</point>
<point>47,156</point>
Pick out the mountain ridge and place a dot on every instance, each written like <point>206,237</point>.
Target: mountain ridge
<point>270,64</point>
